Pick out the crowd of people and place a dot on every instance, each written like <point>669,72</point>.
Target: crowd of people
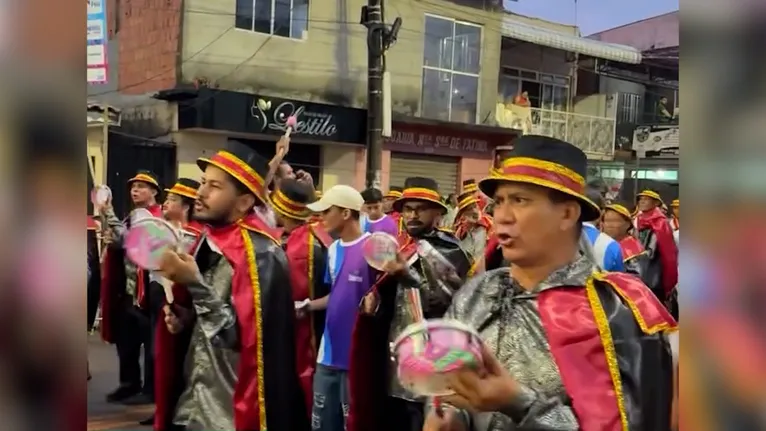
<point>278,322</point>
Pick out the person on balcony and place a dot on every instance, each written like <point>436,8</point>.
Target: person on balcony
<point>522,99</point>
<point>663,114</point>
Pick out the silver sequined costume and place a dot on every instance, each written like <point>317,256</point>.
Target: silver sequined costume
<point>509,323</point>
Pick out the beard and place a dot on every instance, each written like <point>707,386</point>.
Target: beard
<point>213,217</point>
<point>419,230</point>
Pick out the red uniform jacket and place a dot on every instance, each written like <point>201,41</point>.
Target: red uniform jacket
<point>631,247</point>
<point>113,285</point>
<point>92,225</point>
<point>306,249</point>
<point>656,221</point>
<point>194,227</point>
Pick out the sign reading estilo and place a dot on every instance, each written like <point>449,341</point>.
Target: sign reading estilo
<point>315,124</point>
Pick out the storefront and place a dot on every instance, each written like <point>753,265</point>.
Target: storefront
<point>447,152</point>
<point>207,118</point>
<point>625,179</point>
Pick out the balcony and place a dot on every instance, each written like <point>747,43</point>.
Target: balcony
<point>593,135</point>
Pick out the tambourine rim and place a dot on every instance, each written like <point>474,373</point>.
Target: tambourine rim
<point>413,328</point>
<point>156,220</point>
<point>133,212</point>
<point>388,236</point>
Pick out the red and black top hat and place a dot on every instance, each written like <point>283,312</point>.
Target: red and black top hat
<point>291,200</point>
<point>466,199</point>
<point>422,189</point>
<point>242,163</point>
<point>394,192</point>
<point>184,187</point>
<point>469,185</point>
<point>147,177</point>
<point>545,162</point>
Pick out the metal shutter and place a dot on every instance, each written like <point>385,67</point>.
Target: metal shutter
<point>442,169</point>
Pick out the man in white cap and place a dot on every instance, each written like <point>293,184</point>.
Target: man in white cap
<point>350,277</point>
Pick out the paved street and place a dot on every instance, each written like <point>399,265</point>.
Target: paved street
<point>101,415</point>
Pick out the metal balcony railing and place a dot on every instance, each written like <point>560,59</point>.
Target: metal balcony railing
<point>594,135</point>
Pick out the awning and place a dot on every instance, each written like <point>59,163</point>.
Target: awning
<point>520,30</point>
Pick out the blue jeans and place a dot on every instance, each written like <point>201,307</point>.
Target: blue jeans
<point>331,399</point>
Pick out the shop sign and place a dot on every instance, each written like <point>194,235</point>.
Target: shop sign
<point>657,141</point>
<point>445,140</point>
<point>259,115</point>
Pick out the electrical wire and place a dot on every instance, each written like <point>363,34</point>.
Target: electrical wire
<point>321,67</point>
<point>191,57</point>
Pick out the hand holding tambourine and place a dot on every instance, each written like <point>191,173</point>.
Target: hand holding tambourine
<point>155,245</point>
<point>101,198</point>
<point>179,267</point>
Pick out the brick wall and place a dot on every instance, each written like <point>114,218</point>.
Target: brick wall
<point>149,32</point>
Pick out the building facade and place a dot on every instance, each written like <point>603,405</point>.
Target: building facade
<point>235,69</point>
<point>645,100</point>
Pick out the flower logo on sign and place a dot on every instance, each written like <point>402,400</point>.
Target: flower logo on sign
<point>264,105</point>
<point>317,124</point>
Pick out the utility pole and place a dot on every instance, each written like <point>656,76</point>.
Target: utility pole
<point>379,39</point>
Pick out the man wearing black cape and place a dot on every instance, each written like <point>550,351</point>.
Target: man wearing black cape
<point>377,398</point>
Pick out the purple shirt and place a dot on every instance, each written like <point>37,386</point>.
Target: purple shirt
<point>384,224</point>
<point>351,278</point>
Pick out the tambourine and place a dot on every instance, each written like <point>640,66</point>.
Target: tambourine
<point>427,352</point>
<point>100,195</point>
<point>380,248</point>
<point>148,239</point>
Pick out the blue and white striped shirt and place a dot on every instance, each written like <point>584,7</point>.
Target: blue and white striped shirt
<point>607,250</point>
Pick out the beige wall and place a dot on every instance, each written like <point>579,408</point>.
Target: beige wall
<point>95,138</point>
<point>192,145</point>
<point>342,164</point>
<point>330,64</point>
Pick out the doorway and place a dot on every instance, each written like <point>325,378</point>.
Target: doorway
<point>127,155</point>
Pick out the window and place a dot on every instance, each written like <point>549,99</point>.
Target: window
<point>287,18</point>
<point>547,92</point>
<point>451,65</point>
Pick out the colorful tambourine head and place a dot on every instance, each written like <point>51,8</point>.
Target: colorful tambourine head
<point>147,240</point>
<point>380,248</point>
<point>427,352</point>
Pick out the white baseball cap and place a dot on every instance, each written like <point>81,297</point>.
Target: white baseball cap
<point>341,196</point>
